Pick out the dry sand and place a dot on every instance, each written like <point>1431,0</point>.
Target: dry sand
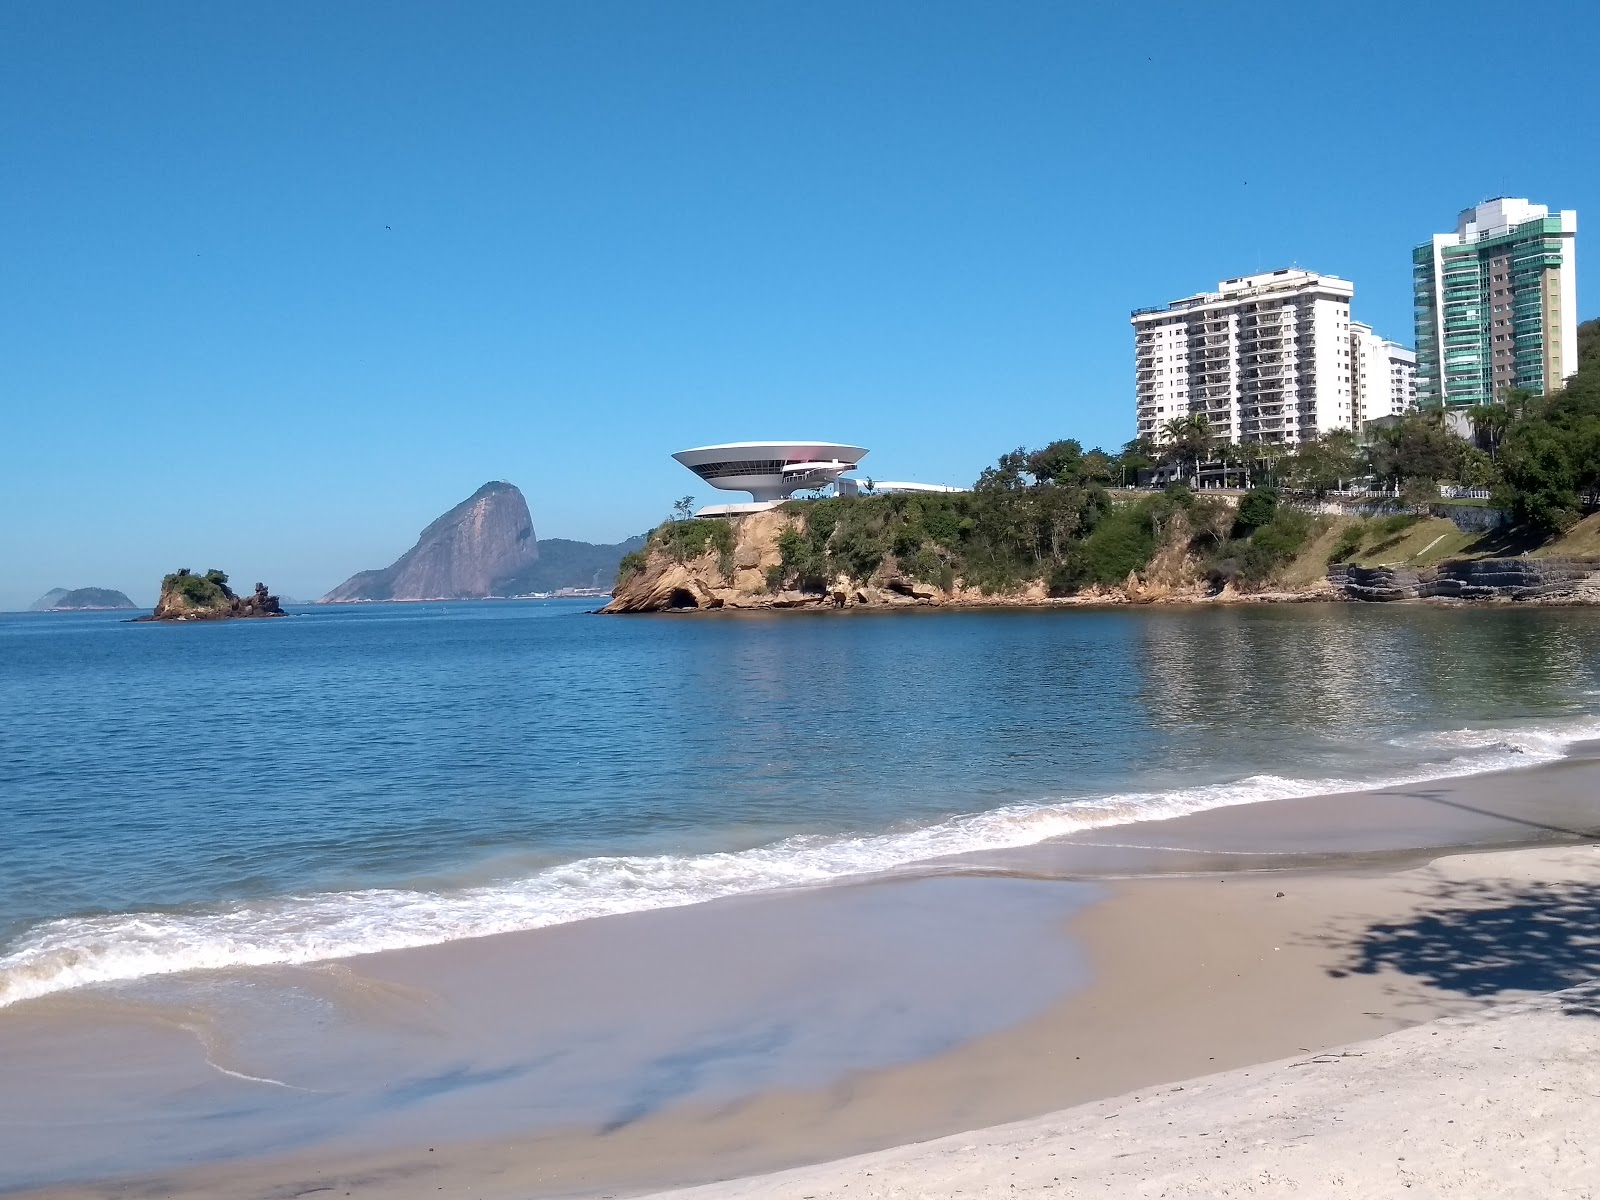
<point>1496,1105</point>
<point>1194,976</point>
<point>1501,1102</point>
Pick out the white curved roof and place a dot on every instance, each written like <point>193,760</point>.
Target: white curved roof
<point>787,452</point>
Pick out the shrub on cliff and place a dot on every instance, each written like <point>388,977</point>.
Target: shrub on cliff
<point>685,539</point>
<point>198,591</point>
<point>1257,509</point>
<point>633,563</point>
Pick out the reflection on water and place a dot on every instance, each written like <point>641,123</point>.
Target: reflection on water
<point>1272,685</point>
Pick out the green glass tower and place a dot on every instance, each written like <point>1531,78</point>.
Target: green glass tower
<point>1496,304</point>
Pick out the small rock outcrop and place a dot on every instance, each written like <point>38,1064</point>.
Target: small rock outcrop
<point>186,596</point>
<point>465,554</point>
<point>81,600</point>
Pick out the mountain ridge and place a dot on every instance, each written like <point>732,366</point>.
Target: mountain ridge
<point>485,547</point>
<point>86,599</point>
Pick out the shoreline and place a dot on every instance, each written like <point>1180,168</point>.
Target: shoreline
<point>822,603</point>
<point>1195,966</point>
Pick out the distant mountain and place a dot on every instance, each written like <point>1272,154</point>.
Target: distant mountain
<point>79,599</point>
<point>485,538</point>
<point>485,546</point>
<point>568,564</point>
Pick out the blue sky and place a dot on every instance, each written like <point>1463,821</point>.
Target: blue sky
<point>281,283</point>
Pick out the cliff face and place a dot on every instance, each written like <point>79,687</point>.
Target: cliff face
<point>740,564</point>
<point>745,572</point>
<point>466,553</point>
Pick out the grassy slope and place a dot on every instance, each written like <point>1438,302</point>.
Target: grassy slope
<point>1430,540</point>
<point>1427,543</point>
<point>1311,564</point>
<point>1581,541</point>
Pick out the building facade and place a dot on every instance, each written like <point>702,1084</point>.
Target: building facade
<point>1383,376</point>
<point>1496,304</point>
<point>1264,358</point>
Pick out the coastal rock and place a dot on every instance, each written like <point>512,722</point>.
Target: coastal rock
<point>189,597</point>
<point>676,587</point>
<point>485,539</point>
<point>1546,579</point>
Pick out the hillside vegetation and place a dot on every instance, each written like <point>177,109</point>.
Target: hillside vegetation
<point>1037,523</point>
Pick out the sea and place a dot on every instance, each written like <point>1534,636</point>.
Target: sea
<point>182,798</point>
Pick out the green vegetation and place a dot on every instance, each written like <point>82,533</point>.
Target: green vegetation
<point>1035,515</point>
<point>685,539</point>
<point>1267,549</point>
<point>632,564</point>
<point>1549,456</point>
<point>198,591</point>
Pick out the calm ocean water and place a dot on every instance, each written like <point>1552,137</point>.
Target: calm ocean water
<point>384,776</point>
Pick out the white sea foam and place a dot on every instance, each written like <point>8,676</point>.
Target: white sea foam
<point>73,952</point>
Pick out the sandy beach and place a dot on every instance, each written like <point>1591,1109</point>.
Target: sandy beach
<point>730,1040</point>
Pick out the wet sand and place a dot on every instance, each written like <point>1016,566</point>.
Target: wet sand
<point>935,1019</point>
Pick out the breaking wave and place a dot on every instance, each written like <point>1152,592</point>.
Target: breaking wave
<point>77,951</point>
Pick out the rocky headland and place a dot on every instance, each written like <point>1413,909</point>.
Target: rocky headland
<point>750,563</point>
<point>89,599</point>
<point>186,596</point>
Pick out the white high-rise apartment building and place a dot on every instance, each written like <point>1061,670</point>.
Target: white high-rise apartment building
<point>1383,375</point>
<point>1264,358</point>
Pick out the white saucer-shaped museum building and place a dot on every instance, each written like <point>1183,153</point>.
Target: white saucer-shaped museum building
<point>771,471</point>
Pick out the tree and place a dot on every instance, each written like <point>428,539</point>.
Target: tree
<point>1326,463</point>
<point>1099,467</point>
<point>1188,439</point>
<point>1006,474</point>
<point>1489,425</point>
<point>1476,469</point>
<point>1550,461</point>
<point>683,508</point>
<point>1137,455</point>
<point>1258,508</point>
<point>1059,462</point>
<point>1418,446</point>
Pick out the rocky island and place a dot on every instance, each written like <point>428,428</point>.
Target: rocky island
<point>189,597</point>
<point>89,599</point>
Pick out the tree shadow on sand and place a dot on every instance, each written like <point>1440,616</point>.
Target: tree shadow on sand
<point>1482,939</point>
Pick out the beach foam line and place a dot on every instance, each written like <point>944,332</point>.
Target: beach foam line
<point>75,952</point>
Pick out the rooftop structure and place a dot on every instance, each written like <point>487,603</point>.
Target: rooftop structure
<point>890,487</point>
<point>1264,358</point>
<point>1496,304</point>
<point>771,471</point>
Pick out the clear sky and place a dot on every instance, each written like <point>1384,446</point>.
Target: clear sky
<point>280,283</point>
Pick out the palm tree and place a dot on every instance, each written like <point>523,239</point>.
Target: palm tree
<point>1489,425</point>
<point>1189,439</point>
